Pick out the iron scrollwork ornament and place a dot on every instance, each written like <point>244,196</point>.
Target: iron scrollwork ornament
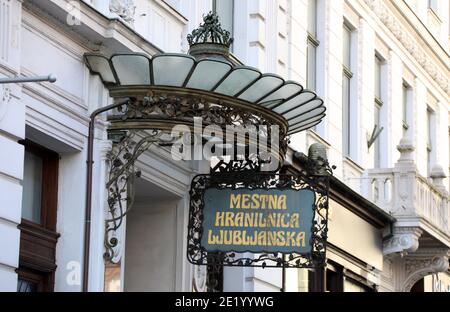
<point>121,180</point>
<point>244,174</point>
<point>210,31</point>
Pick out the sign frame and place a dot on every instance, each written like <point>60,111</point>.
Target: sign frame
<point>319,184</point>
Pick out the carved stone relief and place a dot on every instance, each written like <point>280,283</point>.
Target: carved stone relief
<point>425,262</point>
<point>403,241</point>
<point>124,8</point>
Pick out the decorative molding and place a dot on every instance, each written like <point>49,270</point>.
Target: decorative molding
<point>403,241</point>
<point>424,262</point>
<point>410,44</point>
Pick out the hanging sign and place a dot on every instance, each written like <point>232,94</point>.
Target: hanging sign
<point>258,220</point>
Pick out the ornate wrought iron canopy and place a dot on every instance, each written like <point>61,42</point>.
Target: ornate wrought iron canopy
<point>156,93</point>
<point>204,81</point>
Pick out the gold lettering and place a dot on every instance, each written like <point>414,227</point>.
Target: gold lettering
<point>281,240</point>
<point>273,201</point>
<point>227,239</point>
<point>253,240</point>
<point>229,219</point>
<point>245,201</point>
<point>290,239</point>
<point>295,220</point>
<point>214,239</point>
<point>255,201</point>
<point>301,239</point>
<point>248,219</point>
<point>239,218</point>
<point>272,238</point>
<point>285,224</point>
<point>282,202</point>
<point>271,219</point>
<point>263,199</point>
<point>219,218</point>
<point>262,220</point>
<point>235,201</point>
<point>262,237</point>
<point>237,240</point>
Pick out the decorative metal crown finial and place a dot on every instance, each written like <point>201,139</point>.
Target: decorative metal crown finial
<point>210,32</point>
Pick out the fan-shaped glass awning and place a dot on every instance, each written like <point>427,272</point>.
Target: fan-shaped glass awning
<point>265,94</point>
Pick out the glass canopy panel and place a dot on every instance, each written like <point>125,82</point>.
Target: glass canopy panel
<point>307,126</point>
<point>100,65</point>
<point>262,87</point>
<point>207,74</point>
<point>295,102</point>
<point>272,103</point>
<point>286,91</point>
<point>172,69</point>
<point>307,115</point>
<point>237,80</point>
<point>132,69</point>
<point>293,125</point>
<point>302,109</point>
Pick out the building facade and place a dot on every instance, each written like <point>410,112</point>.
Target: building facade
<point>381,67</point>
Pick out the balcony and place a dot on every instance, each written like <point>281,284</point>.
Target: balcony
<point>419,243</point>
<point>409,196</point>
<point>412,199</point>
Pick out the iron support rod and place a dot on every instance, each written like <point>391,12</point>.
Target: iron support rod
<point>49,78</point>
<point>88,208</point>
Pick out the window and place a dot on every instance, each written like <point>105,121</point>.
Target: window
<point>353,285</point>
<point>38,235</point>
<point>406,91</point>
<point>378,64</point>
<point>335,278</point>
<point>346,91</point>
<point>312,45</point>
<point>377,121</point>
<point>224,9</point>
<point>32,187</point>
<point>378,103</point>
<point>429,135</point>
<point>433,5</point>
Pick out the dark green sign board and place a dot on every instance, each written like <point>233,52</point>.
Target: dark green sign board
<point>258,220</point>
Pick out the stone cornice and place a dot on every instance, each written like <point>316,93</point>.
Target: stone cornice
<point>381,10</point>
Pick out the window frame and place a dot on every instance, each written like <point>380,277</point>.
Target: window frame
<point>37,253</point>
<point>214,7</point>
<point>406,90</point>
<point>346,105</point>
<point>49,192</point>
<point>319,280</point>
<point>430,138</point>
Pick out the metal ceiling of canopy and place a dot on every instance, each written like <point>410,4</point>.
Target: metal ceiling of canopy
<point>208,73</point>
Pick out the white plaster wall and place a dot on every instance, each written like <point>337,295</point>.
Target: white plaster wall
<point>12,129</point>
